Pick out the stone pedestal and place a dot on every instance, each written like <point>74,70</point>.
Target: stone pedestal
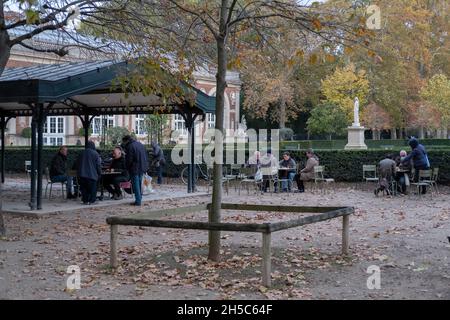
<point>355,138</point>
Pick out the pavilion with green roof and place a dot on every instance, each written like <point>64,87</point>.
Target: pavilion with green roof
<point>86,90</point>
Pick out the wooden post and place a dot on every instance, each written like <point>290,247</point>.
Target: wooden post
<point>113,253</point>
<point>345,231</point>
<point>266,262</point>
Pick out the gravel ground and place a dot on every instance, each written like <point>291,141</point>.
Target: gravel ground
<point>404,237</point>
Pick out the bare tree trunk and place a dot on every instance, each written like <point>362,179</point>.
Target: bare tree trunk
<point>215,211</point>
<point>282,115</point>
<point>394,134</point>
<point>376,134</point>
<point>421,132</point>
<point>438,134</point>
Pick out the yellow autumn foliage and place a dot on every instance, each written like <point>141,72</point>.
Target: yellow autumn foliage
<point>341,88</point>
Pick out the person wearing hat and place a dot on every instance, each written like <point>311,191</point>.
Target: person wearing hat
<point>89,171</point>
<point>307,173</point>
<point>419,158</point>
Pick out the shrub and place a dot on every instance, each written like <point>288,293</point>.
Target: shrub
<point>342,165</point>
<point>286,134</point>
<point>26,132</point>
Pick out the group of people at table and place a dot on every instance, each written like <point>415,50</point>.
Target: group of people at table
<point>129,163</point>
<point>286,170</point>
<point>399,168</point>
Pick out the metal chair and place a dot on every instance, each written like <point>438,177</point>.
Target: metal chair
<point>270,178</point>
<point>232,173</point>
<point>424,181</point>
<point>225,180</point>
<point>319,177</point>
<point>27,167</point>
<point>370,174</point>
<point>248,179</point>
<point>49,182</point>
<point>433,180</point>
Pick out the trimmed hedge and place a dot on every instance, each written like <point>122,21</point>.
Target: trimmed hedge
<point>346,166</point>
<point>342,165</point>
<point>15,158</point>
<point>371,144</point>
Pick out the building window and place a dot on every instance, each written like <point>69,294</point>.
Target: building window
<point>179,124</point>
<point>54,131</point>
<point>139,125</point>
<point>102,123</point>
<point>54,125</point>
<point>211,120</point>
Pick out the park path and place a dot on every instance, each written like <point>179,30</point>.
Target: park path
<point>405,238</point>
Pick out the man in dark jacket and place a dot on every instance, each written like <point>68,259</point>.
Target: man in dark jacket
<point>119,174</point>
<point>419,157</point>
<point>158,160</point>
<point>89,171</point>
<point>289,164</point>
<point>58,170</point>
<point>137,164</point>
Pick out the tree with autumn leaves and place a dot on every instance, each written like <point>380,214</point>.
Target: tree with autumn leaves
<point>399,60</point>
<point>436,94</point>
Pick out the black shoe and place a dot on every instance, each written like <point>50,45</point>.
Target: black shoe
<point>70,196</point>
<point>376,192</point>
<point>301,190</point>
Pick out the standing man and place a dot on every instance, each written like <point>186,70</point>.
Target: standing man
<point>89,170</point>
<point>58,170</point>
<point>158,160</point>
<point>419,158</point>
<point>137,164</point>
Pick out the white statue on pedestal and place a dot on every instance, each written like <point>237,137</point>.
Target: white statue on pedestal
<point>356,132</point>
<point>356,113</point>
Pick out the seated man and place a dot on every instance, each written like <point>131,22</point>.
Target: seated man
<point>289,163</point>
<point>269,161</point>
<point>387,173</point>
<point>58,170</point>
<point>307,173</point>
<point>112,182</point>
<point>403,170</point>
